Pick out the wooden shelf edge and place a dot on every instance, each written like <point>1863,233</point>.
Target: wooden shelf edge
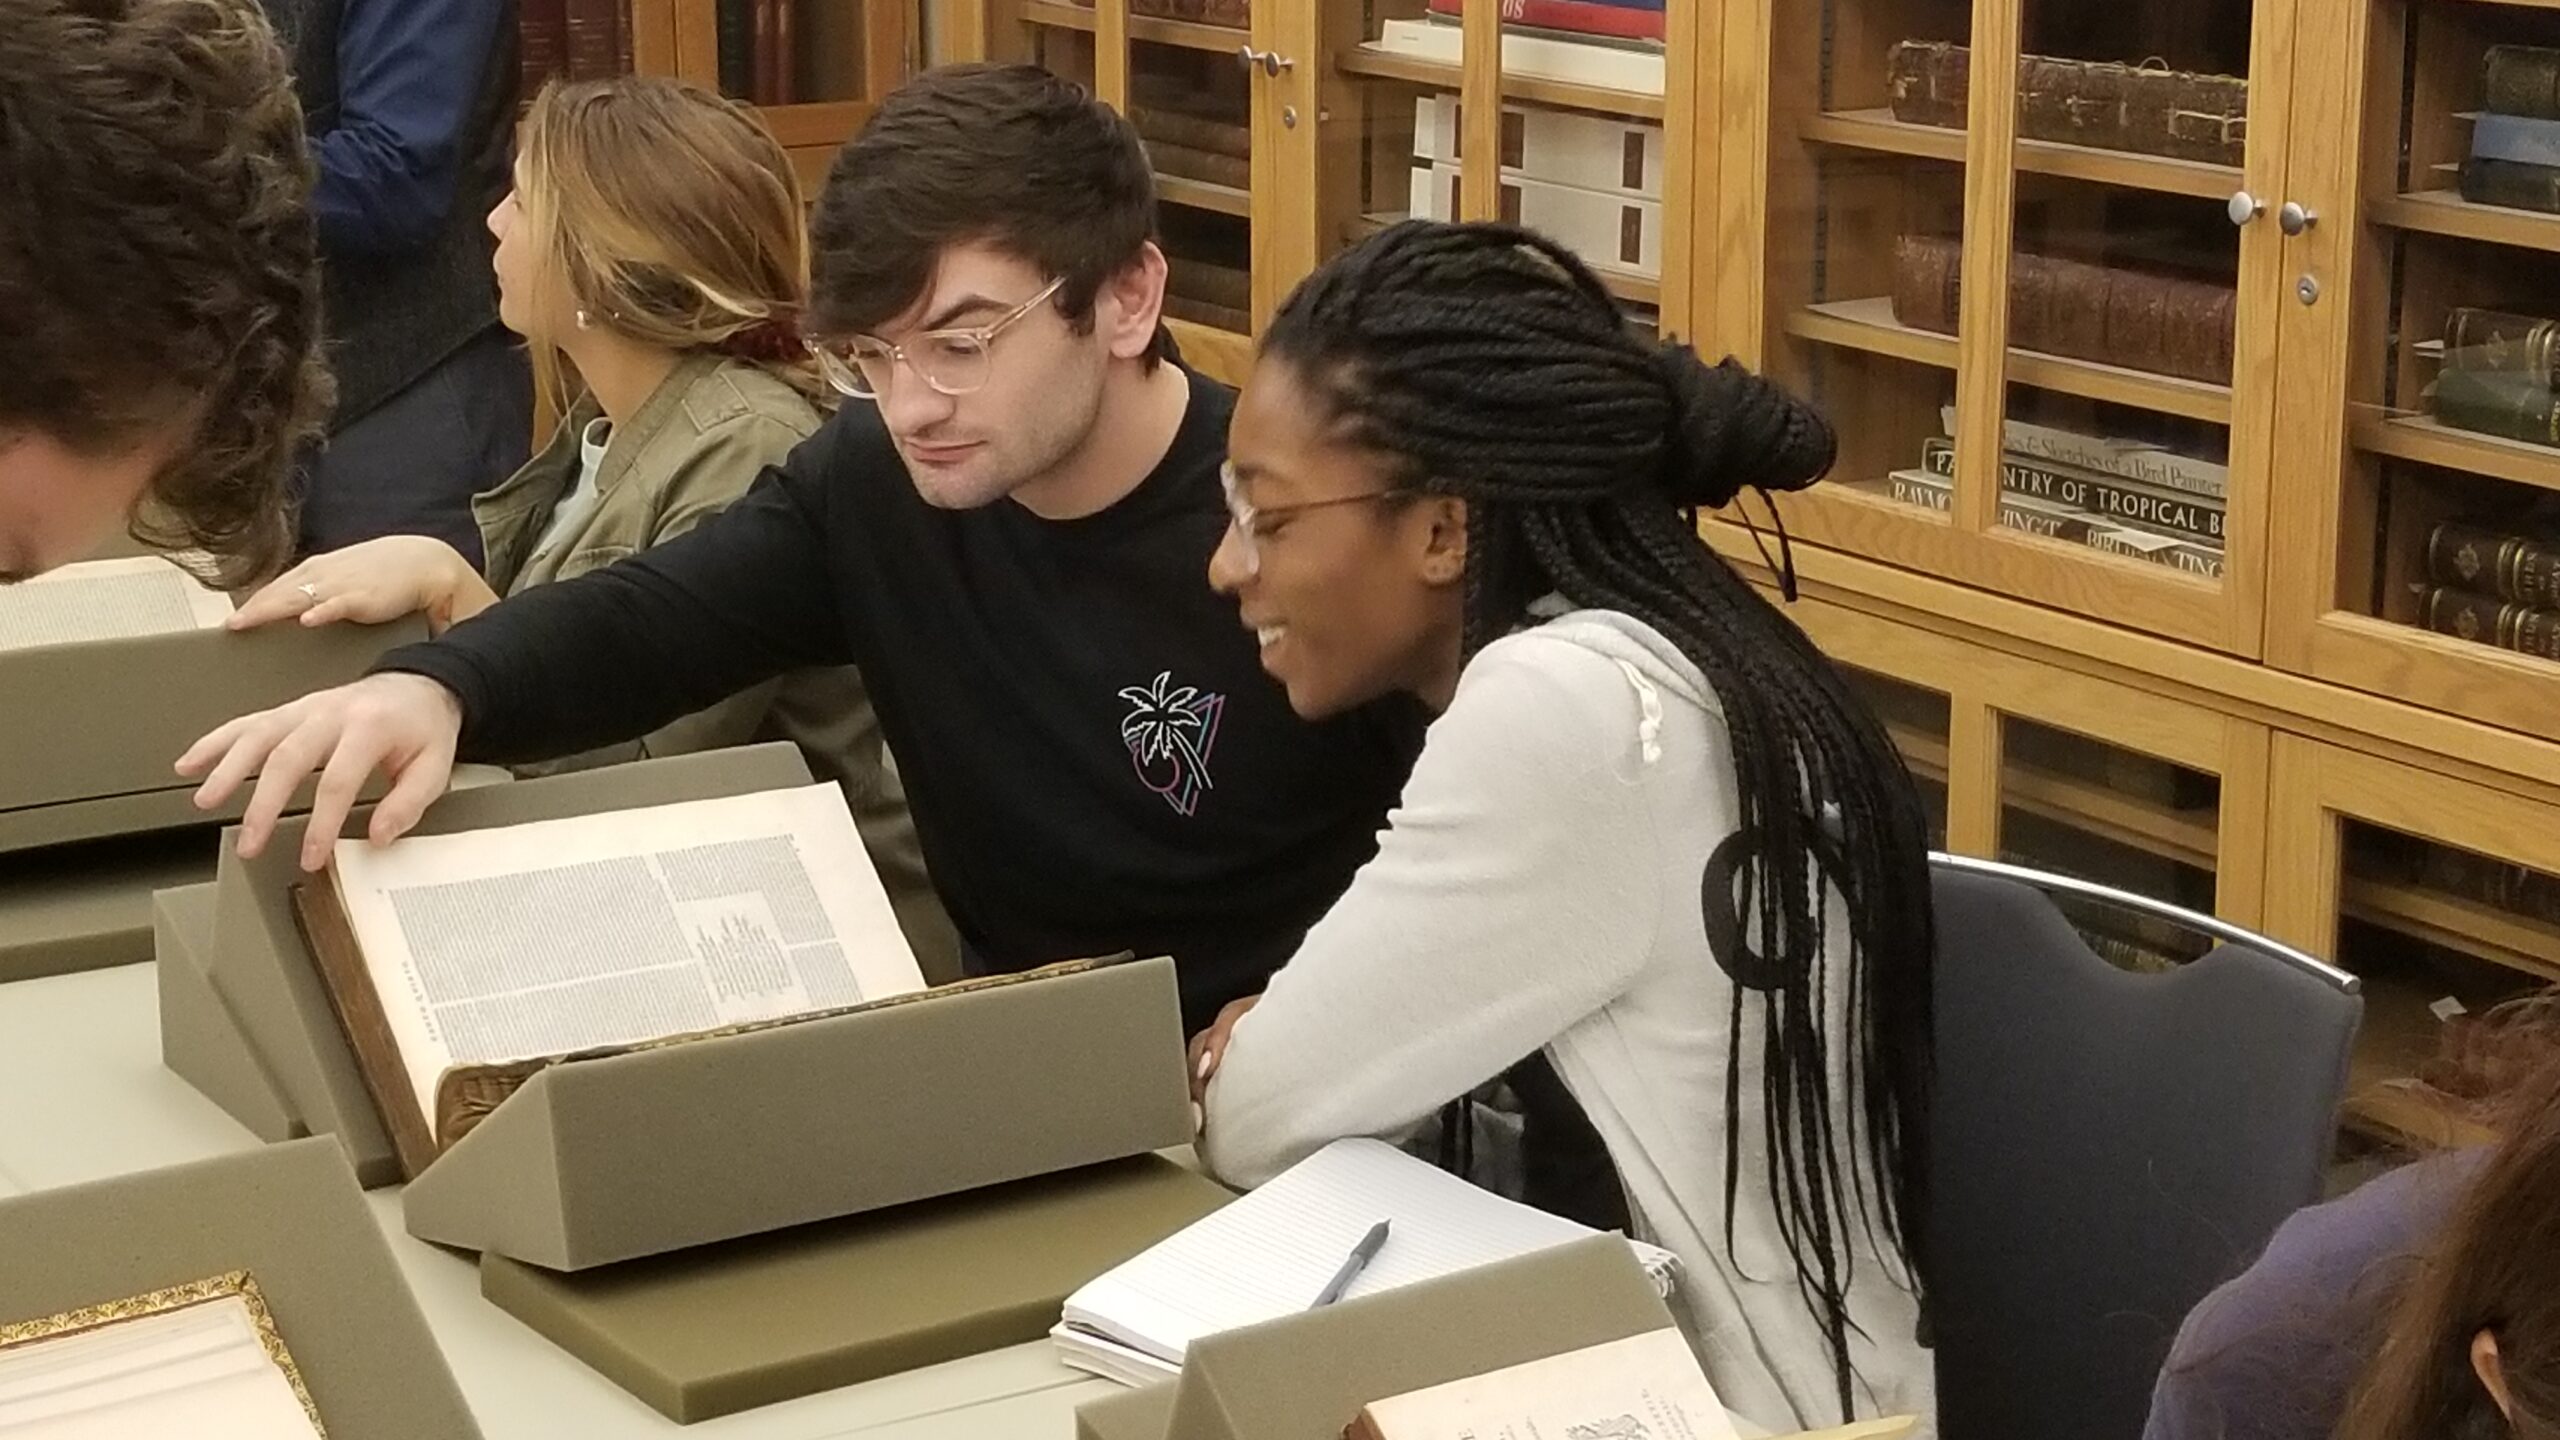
<point>1877,130</point>
<point>1869,325</point>
<point>1414,70</point>
<point>2425,441</point>
<point>1145,29</point>
<point>1204,195</point>
<point>2445,212</point>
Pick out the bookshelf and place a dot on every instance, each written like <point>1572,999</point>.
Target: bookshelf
<point>815,68</point>
<point>1286,130</point>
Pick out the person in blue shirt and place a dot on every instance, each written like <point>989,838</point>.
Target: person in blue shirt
<point>408,105</point>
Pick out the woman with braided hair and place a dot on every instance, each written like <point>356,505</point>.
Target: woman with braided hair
<point>1651,834</point>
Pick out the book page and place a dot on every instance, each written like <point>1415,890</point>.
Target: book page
<point>202,1371</point>
<point>537,940</point>
<point>1270,1253</point>
<point>107,600</point>
<point>1645,1387</point>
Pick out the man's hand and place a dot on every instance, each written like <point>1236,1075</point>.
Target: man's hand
<point>1210,1046</point>
<point>405,726</point>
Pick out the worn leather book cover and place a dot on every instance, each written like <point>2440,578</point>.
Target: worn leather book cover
<point>2502,342</point>
<point>2521,80</point>
<point>1182,162</point>
<point>1196,132</point>
<point>2512,406</point>
<point>2515,568</point>
<point>2491,621</point>
<point>2146,108</point>
<point>2511,184</point>
<point>2171,325</point>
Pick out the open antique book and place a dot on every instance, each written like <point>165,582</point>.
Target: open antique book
<point>462,964</point>
<point>201,1360</point>
<point>1644,1387</point>
<point>107,600</point>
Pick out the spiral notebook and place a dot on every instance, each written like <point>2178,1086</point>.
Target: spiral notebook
<point>1270,1253</point>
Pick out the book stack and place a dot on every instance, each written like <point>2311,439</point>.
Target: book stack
<point>2493,587</point>
<point>1592,182</point>
<point>2115,315</point>
<point>570,39</point>
<point>2515,141</point>
<point>2147,109</point>
<point>1233,14</point>
<point>2109,495</point>
<point>2501,375</point>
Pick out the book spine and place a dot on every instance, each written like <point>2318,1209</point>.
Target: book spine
<point>2491,621</point>
<point>1184,163</point>
<point>2068,307</point>
<point>623,39</point>
<point>2517,139</point>
<point>2499,342</point>
<point>2186,516</point>
<point>2513,407</point>
<point>786,53</point>
<point>2517,187</point>
<point>1576,17</point>
<point>1928,83</point>
<point>2521,80</point>
<point>2514,568</point>
<point>542,31</point>
<point>1558,147</point>
<point>594,50</point>
<point>760,87</point>
<point>1193,132</point>
<point>2100,104</point>
<point>736,38</point>
<point>2161,469</point>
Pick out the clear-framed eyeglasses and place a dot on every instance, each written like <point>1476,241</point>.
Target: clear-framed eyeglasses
<point>953,362</point>
<point>1252,525</point>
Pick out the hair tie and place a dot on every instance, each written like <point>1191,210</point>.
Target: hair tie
<point>774,340</point>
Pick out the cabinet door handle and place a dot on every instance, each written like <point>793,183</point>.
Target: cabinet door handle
<point>2295,218</point>
<point>1271,61</point>
<point>2244,207</point>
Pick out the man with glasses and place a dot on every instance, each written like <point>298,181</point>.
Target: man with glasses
<point>1007,527</point>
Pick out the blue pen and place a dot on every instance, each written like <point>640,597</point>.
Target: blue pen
<point>1358,1260</point>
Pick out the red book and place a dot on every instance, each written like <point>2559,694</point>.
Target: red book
<point>1580,17</point>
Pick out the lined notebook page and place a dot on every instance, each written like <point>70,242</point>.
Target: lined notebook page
<point>1270,1253</point>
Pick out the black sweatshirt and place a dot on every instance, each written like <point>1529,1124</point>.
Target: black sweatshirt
<point>1095,759</point>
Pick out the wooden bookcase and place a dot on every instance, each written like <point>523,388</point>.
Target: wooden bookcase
<point>827,62</point>
<point>1314,127</point>
<point>2277,737</point>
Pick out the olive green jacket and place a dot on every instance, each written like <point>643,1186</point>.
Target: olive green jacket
<point>702,437</point>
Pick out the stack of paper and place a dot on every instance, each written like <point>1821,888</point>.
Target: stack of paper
<point>1270,1254</point>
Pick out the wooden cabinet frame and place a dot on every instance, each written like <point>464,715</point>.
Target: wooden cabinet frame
<point>1984,686</point>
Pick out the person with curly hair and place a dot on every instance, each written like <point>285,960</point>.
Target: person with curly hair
<point>159,365</point>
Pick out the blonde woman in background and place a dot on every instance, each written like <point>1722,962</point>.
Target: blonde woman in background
<point>653,256</point>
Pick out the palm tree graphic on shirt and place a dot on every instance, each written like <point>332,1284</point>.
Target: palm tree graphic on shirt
<point>1170,731</point>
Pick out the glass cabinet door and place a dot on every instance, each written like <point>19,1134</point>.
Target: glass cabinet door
<point>2015,249</point>
<point>1547,113</point>
<point>2443,896</point>
<point>2431,564</point>
<point>815,68</point>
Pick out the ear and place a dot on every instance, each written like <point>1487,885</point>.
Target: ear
<point>2492,1372</point>
<point>1131,304</point>
<point>1444,541</point>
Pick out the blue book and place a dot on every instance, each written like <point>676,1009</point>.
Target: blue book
<point>2516,139</point>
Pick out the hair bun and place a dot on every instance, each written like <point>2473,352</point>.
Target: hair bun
<point>1731,428</point>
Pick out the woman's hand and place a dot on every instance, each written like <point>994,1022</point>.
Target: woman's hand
<point>370,584</point>
<point>1210,1046</point>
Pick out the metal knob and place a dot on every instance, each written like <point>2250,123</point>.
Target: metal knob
<point>2244,207</point>
<point>2293,219</point>
<point>1271,61</point>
